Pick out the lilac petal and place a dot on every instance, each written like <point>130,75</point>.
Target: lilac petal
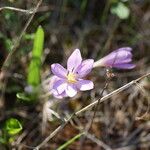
<point>59,96</point>
<point>74,60</point>
<point>85,85</point>
<point>55,93</point>
<point>71,90</point>
<point>125,61</point>
<point>52,81</point>
<point>59,70</point>
<point>60,86</point>
<point>85,68</point>
<point>119,56</point>
<point>117,62</point>
<point>124,49</point>
<point>125,66</point>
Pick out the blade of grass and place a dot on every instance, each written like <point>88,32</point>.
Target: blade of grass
<point>38,43</point>
<point>70,141</point>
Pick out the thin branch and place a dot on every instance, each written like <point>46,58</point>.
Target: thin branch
<point>30,11</point>
<point>58,129</point>
<point>97,141</point>
<point>90,136</point>
<point>96,106</point>
<point>89,125</point>
<point>16,44</point>
<point>112,94</point>
<point>6,63</point>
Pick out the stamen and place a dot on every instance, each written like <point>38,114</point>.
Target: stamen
<point>71,77</point>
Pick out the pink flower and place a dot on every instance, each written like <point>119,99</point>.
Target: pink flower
<point>120,58</point>
<point>69,81</point>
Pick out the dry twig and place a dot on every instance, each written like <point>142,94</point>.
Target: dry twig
<point>58,129</point>
<point>18,40</point>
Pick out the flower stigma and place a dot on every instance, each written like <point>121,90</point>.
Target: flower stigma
<point>71,77</point>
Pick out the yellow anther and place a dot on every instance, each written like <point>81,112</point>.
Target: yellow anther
<point>71,78</point>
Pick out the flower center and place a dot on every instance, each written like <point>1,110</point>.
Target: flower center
<point>71,77</point>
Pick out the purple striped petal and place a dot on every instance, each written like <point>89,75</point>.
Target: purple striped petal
<point>124,49</point>
<point>59,96</point>
<point>85,85</point>
<point>125,66</point>
<point>85,68</point>
<point>53,81</point>
<point>74,60</point>
<point>60,86</point>
<point>59,70</point>
<point>71,90</point>
<point>118,58</point>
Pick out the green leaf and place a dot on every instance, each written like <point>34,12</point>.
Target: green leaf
<point>2,140</point>
<point>28,97</point>
<point>29,36</point>
<point>23,96</point>
<point>34,72</point>
<point>38,43</point>
<point>34,77</point>
<point>11,139</point>
<point>121,10</point>
<point>8,44</point>
<point>12,126</point>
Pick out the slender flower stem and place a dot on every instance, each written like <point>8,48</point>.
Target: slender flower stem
<point>95,110</point>
<point>96,106</point>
